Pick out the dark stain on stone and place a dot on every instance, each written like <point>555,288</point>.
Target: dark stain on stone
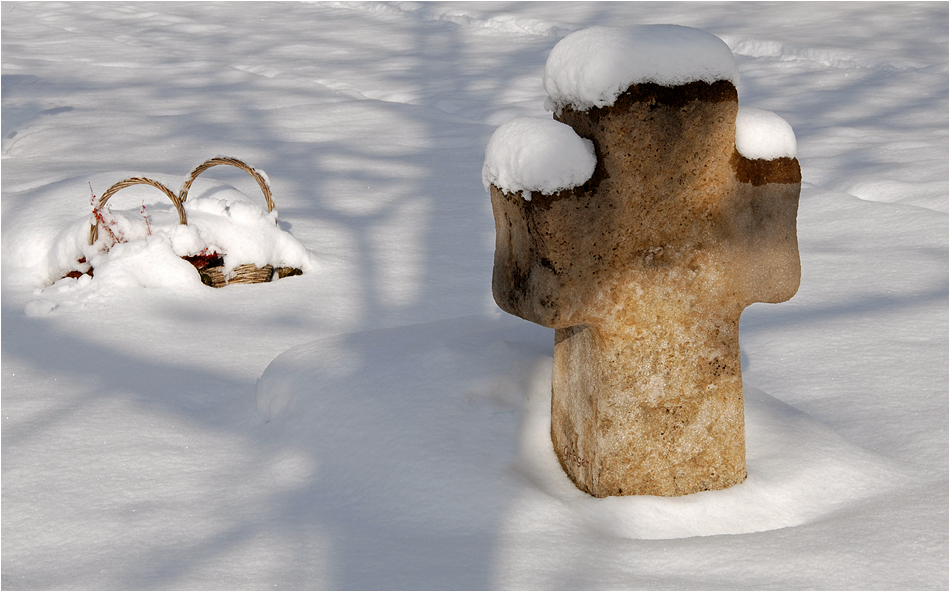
<point>759,172</point>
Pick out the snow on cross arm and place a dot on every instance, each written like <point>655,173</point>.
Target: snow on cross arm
<point>533,154</point>
<point>592,67</point>
<point>764,135</point>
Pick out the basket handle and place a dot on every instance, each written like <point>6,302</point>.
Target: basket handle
<point>94,230</point>
<point>232,162</point>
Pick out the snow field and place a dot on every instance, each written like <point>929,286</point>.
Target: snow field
<point>377,422</point>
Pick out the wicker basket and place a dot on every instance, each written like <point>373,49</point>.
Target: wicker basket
<point>210,267</point>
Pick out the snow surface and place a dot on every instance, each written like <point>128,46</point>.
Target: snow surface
<point>534,154</point>
<point>378,423</point>
<point>590,68</point>
<point>764,135</point>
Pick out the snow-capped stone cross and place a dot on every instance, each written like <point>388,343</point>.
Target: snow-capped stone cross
<point>643,254</point>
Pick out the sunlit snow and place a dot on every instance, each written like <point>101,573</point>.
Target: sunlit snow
<point>590,68</point>
<point>764,135</point>
<point>535,154</point>
<point>377,422</point>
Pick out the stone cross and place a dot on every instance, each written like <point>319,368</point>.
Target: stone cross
<point>644,272</point>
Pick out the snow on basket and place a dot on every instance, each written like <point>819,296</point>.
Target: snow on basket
<point>227,242</point>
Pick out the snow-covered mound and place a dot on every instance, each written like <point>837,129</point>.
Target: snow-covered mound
<point>592,67</point>
<point>534,154</point>
<point>145,246</point>
<point>762,134</point>
<point>486,380</point>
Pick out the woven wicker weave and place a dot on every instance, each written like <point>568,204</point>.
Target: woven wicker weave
<point>242,274</point>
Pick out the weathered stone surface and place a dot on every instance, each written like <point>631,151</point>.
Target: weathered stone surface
<point>644,272</point>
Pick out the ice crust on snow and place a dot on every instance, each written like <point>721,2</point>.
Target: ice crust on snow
<point>592,67</point>
<point>533,154</point>
<point>762,134</point>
